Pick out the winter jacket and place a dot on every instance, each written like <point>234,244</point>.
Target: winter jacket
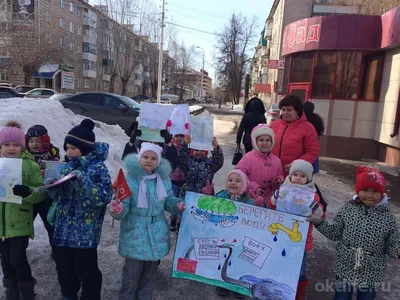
<point>254,115</point>
<point>144,232</point>
<point>82,203</point>
<point>295,140</point>
<point>199,171</point>
<point>177,176</point>
<point>242,198</point>
<point>53,154</point>
<point>310,186</point>
<point>262,170</point>
<point>17,219</point>
<point>369,233</point>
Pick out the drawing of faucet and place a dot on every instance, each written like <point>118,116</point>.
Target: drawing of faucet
<point>294,234</point>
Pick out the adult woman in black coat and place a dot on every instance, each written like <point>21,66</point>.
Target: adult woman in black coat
<point>254,114</point>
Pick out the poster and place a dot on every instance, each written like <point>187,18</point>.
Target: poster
<point>201,132</point>
<point>180,120</point>
<point>68,80</point>
<point>58,182</point>
<point>53,169</point>
<point>10,175</point>
<point>251,250</point>
<point>297,200</point>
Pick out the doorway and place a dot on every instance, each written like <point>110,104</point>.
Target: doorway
<point>300,90</point>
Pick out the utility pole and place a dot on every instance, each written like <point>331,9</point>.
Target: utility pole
<point>161,54</point>
<point>202,74</point>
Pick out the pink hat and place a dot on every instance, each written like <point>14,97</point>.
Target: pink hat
<point>262,129</point>
<point>12,132</point>
<point>244,179</point>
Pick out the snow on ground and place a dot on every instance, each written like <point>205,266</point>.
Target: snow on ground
<point>59,121</point>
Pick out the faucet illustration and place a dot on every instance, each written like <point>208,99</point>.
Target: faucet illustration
<point>294,234</point>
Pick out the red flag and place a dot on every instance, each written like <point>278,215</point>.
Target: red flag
<point>121,187</point>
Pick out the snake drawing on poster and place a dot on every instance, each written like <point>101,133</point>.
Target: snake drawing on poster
<point>10,175</point>
<point>247,249</point>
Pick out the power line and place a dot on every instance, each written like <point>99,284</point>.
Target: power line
<point>196,18</point>
<point>198,11</point>
<point>190,28</point>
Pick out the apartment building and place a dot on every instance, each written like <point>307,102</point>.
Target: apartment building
<point>85,57</point>
<point>193,79</point>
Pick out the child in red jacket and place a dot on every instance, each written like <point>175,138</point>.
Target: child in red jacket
<point>300,176</point>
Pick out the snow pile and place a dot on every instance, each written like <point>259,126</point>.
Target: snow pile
<point>59,121</point>
<point>238,107</point>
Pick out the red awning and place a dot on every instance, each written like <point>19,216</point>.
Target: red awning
<point>262,88</point>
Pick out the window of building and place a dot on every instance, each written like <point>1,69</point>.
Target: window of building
<point>286,76</point>
<point>105,85</point>
<point>62,42</point>
<point>372,77</point>
<point>89,65</point>
<point>324,74</point>
<point>78,83</point>
<point>301,69</point>
<point>79,11</point>
<point>347,75</point>
<point>71,7</point>
<point>4,75</point>
<point>87,47</point>
<point>71,27</point>
<point>37,83</point>
<point>62,3</point>
<point>71,45</point>
<point>61,22</point>
<point>79,31</point>
<point>87,83</point>
<point>48,83</point>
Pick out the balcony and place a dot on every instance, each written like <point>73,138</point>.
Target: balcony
<point>89,73</point>
<point>90,56</point>
<point>265,52</point>
<point>89,22</point>
<point>90,38</point>
<point>106,77</point>
<point>268,33</point>
<point>326,9</point>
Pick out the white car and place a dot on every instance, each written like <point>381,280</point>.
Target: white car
<point>40,93</point>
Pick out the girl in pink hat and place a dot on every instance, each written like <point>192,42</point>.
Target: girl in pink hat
<point>263,168</point>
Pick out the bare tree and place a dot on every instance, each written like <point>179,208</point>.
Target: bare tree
<point>232,59</point>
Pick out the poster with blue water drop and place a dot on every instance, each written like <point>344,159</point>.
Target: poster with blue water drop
<point>244,248</point>
<point>10,175</point>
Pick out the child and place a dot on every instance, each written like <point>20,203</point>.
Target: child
<point>81,204</point>
<point>199,169</point>
<point>144,234</point>
<point>301,175</point>
<point>38,144</point>
<point>366,232</point>
<point>263,168</point>
<point>177,177</point>
<point>16,219</point>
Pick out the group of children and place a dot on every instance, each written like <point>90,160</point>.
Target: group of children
<point>73,211</point>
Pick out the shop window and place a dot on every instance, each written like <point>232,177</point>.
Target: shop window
<point>324,74</point>
<point>372,77</point>
<point>48,83</point>
<point>347,75</point>
<point>286,76</point>
<point>301,68</point>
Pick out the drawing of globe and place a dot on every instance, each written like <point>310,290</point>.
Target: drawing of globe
<point>3,192</point>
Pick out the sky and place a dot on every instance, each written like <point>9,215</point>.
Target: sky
<point>211,16</point>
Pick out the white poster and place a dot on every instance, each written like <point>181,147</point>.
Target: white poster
<point>201,132</point>
<point>10,175</point>
<point>180,120</point>
<point>295,200</point>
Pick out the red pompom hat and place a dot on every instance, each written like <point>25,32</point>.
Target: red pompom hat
<point>370,178</point>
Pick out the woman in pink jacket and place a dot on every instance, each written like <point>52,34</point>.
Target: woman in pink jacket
<point>263,168</point>
<point>295,137</point>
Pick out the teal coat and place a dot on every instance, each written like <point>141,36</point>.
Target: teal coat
<point>225,194</point>
<point>144,232</point>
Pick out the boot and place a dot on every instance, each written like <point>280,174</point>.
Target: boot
<point>27,290</point>
<point>11,287</point>
<point>301,290</point>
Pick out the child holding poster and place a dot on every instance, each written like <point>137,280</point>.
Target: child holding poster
<point>299,182</point>
<point>366,231</point>
<point>263,168</point>
<point>16,219</point>
<point>38,144</point>
<point>144,234</point>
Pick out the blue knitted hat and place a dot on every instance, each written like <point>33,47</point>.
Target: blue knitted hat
<point>82,137</point>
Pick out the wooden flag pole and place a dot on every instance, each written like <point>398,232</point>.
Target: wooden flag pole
<point>113,220</point>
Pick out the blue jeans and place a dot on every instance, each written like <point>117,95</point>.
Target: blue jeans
<point>344,291</point>
<point>303,274</point>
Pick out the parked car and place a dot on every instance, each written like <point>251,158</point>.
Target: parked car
<point>165,100</point>
<point>7,84</point>
<point>23,88</point>
<point>273,113</point>
<point>108,108</point>
<point>40,93</point>
<point>11,91</point>
<point>191,100</point>
<point>59,96</point>
<point>4,95</point>
<point>141,98</point>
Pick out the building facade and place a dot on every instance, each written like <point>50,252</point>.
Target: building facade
<point>87,55</point>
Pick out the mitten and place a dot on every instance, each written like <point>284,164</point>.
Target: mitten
<point>313,219</point>
<point>181,206</point>
<point>21,190</point>
<point>207,190</point>
<point>166,135</point>
<point>317,210</point>
<point>258,199</point>
<point>76,173</point>
<point>276,183</point>
<point>115,207</point>
<point>275,197</point>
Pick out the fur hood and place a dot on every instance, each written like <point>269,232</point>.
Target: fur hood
<point>136,171</point>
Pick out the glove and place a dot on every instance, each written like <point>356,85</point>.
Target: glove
<point>313,219</point>
<point>181,206</point>
<point>134,134</point>
<point>207,190</point>
<point>21,190</point>
<point>115,207</point>
<point>166,135</point>
<point>77,174</point>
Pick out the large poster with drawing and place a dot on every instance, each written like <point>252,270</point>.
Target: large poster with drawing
<point>10,175</point>
<point>251,250</point>
<point>201,132</point>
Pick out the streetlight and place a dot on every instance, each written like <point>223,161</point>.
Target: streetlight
<point>202,72</point>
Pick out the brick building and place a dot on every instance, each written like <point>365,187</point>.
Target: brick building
<point>84,56</point>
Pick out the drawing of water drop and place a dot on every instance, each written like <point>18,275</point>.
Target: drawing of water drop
<point>284,252</point>
<point>230,263</point>
<point>275,239</point>
<point>219,267</point>
<point>225,255</point>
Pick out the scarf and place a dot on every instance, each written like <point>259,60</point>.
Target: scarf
<point>161,193</point>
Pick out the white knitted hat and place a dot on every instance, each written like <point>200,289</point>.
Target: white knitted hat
<point>262,129</point>
<point>302,166</point>
<point>151,147</point>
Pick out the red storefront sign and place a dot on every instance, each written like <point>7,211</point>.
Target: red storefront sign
<point>272,64</point>
<point>262,88</point>
<point>281,65</point>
